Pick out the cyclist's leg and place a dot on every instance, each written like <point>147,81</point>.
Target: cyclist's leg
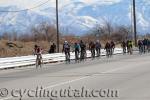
<point>38,61</point>
<point>76,55</point>
<point>144,49</point>
<point>94,53</point>
<point>36,64</point>
<point>113,49</point>
<point>41,61</point>
<point>110,52</point>
<point>85,54</point>
<point>140,49</point>
<point>68,55</point>
<point>123,50</point>
<point>130,50</point>
<point>148,48</point>
<point>107,53</point>
<point>98,52</point>
<point>91,53</point>
<point>81,55</point>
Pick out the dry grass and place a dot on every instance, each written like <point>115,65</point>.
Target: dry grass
<point>20,48</point>
<point>25,48</point>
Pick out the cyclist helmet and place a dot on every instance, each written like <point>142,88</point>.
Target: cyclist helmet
<point>66,42</point>
<point>35,46</point>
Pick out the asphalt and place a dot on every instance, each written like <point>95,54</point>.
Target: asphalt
<point>121,77</point>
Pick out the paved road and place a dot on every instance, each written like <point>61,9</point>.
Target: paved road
<point>117,78</point>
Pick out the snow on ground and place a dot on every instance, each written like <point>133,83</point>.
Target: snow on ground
<point>47,58</point>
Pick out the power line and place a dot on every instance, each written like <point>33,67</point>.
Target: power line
<point>14,11</point>
<point>139,3</point>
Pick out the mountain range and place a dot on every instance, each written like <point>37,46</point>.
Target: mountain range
<point>77,16</point>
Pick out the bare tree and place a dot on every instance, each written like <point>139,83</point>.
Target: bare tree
<point>44,32</point>
<point>109,32</point>
<point>6,36</point>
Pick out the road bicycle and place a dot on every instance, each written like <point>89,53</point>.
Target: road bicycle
<point>67,56</point>
<point>39,61</point>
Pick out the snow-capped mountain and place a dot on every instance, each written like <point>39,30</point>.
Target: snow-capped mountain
<point>77,16</point>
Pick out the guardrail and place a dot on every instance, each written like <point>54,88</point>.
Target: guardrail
<point>12,62</point>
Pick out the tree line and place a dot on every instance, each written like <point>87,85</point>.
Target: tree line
<point>46,32</point>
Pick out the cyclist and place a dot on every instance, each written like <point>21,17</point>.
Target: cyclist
<point>123,45</point>
<point>38,53</point>
<point>108,49</point>
<point>127,43</point>
<point>52,48</point>
<point>83,50</point>
<point>98,48</point>
<point>130,45</point>
<point>145,45</point>
<point>66,49</point>
<point>92,49</point>
<point>112,47</point>
<point>140,45</point>
<point>77,51</point>
<point>148,45</point>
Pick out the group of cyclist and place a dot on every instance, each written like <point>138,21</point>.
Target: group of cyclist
<point>144,46</point>
<point>127,46</point>
<point>95,48</point>
<point>80,49</point>
<point>109,47</point>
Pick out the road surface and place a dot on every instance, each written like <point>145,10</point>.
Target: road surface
<point>118,78</point>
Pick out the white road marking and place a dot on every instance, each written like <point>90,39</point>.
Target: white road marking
<point>74,80</point>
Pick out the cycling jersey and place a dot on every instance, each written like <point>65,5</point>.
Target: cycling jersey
<point>37,51</point>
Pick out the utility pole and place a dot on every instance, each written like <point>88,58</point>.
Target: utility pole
<point>134,19</point>
<point>57,25</point>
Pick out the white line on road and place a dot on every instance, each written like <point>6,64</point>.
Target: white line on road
<point>74,80</point>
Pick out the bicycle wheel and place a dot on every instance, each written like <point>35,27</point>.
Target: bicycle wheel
<point>67,58</point>
<point>40,63</point>
<point>36,64</point>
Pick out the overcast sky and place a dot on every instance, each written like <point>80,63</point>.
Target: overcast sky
<point>32,3</point>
